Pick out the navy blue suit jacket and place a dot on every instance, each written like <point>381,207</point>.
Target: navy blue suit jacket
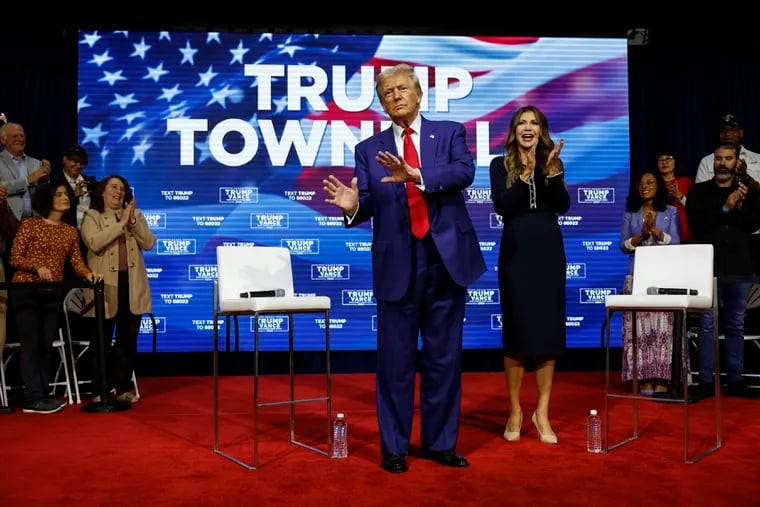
<point>447,169</point>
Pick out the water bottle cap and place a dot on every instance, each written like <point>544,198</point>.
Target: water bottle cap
<point>593,411</point>
<point>340,415</point>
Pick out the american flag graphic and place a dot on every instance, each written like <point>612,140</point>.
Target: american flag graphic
<point>196,120</point>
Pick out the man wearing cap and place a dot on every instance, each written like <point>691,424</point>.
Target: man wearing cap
<point>731,131</point>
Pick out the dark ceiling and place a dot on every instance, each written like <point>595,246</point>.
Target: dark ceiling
<point>468,18</point>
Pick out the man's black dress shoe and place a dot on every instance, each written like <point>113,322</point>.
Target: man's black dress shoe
<point>702,391</point>
<point>394,464</point>
<point>741,390</point>
<point>6,410</point>
<point>449,459</point>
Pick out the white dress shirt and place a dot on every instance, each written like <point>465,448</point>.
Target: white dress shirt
<point>84,199</point>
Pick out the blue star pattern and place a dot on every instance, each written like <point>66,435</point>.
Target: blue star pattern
<point>225,138</point>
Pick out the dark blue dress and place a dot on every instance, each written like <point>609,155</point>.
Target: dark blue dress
<point>532,265</point>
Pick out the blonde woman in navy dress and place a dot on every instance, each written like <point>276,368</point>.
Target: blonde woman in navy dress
<point>529,192</point>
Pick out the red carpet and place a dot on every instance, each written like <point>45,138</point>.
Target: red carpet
<point>160,452</point>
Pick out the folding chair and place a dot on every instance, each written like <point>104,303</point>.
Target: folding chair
<point>62,368</point>
<point>78,345</point>
<point>751,335</point>
<point>64,381</point>
<point>9,350</point>
<point>687,266</point>
<point>753,302</point>
<point>250,270</point>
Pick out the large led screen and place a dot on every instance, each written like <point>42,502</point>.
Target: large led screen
<point>226,137</point>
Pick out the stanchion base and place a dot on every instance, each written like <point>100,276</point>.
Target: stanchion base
<point>106,406</point>
<point>670,396</point>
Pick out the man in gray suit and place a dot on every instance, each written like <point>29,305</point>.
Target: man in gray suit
<point>20,173</point>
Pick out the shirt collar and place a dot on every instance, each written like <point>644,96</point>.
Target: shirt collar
<point>71,180</point>
<point>416,125</point>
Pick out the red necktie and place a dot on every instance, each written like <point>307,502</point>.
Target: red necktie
<point>417,207</point>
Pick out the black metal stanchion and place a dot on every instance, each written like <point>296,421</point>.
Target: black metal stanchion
<point>105,404</point>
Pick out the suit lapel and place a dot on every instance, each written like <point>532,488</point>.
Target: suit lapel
<point>428,142</point>
<point>386,142</point>
<point>5,157</point>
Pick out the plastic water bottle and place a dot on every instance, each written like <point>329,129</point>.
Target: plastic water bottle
<point>340,437</point>
<point>594,432</point>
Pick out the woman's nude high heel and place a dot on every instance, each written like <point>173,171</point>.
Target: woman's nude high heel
<point>512,436</point>
<point>547,438</point>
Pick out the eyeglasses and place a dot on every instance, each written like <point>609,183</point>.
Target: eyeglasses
<point>665,158</point>
<point>647,183</point>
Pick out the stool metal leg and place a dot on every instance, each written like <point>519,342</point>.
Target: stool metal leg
<point>291,369</point>
<point>328,382</point>
<point>256,403</point>
<point>608,395</point>
<point>292,401</point>
<point>680,356</point>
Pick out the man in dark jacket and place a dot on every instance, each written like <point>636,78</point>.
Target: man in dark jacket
<point>78,185</point>
<point>724,211</point>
